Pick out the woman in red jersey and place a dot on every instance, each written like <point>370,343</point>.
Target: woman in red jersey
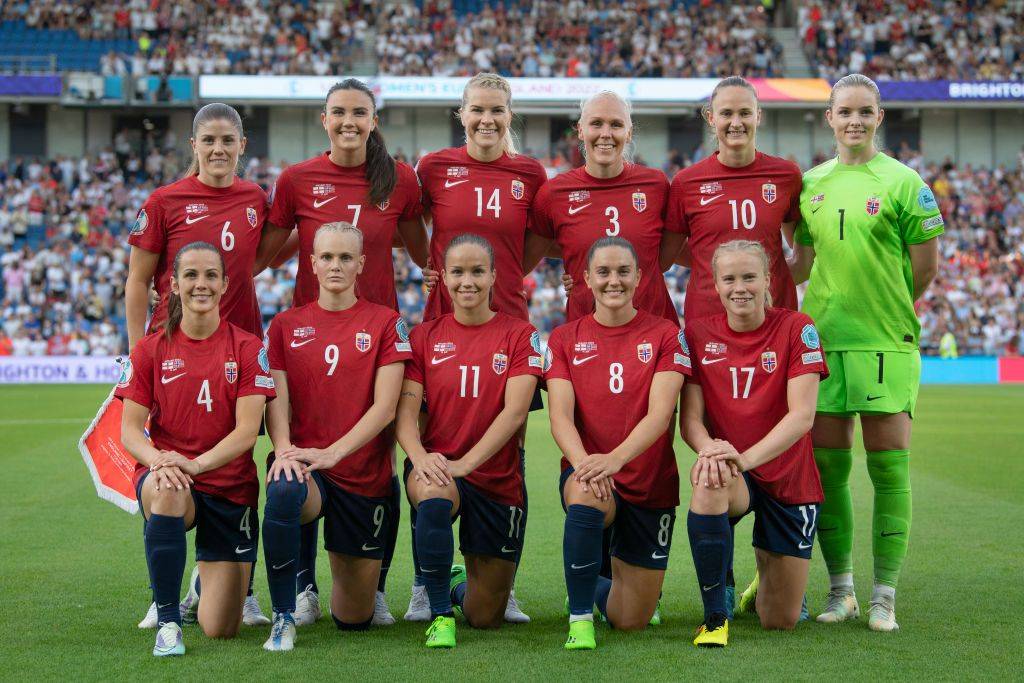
<point>614,377</point>
<point>736,193</point>
<point>749,410</point>
<point>338,363</point>
<point>209,204</point>
<point>609,197</point>
<point>202,383</point>
<point>475,369</point>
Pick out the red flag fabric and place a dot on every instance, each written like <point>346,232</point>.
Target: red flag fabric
<point>110,465</point>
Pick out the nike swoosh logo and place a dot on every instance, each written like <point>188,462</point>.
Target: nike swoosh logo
<point>376,547</point>
<point>190,221</point>
<point>166,604</point>
<point>583,566</point>
<point>704,201</point>
<point>573,210</point>
<point>705,361</point>
<point>803,546</point>
<point>317,203</point>
<point>815,210</point>
<point>282,566</point>
<point>164,379</point>
<point>242,551</point>
<point>656,556</point>
<point>434,360</point>
<point>891,533</point>
<point>707,588</point>
<point>507,550</point>
<point>453,183</point>
<point>428,571</point>
<point>874,398</point>
<point>581,361</point>
<point>301,343</point>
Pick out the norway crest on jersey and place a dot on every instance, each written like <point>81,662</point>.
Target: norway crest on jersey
<point>873,205</point>
<point>518,189</point>
<point>250,215</point>
<point>639,201</point>
<point>769,361</point>
<point>383,206</point>
<point>231,371</point>
<point>769,192</point>
<point>363,341</point>
<point>645,352</point>
<point>499,363</point>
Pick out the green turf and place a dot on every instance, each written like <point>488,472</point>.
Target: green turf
<point>74,576</point>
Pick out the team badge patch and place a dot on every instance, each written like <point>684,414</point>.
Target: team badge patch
<point>769,361</point>
<point>172,364</point>
<point>809,336</point>
<point>231,371</point>
<point>383,206</point>
<point>932,223</point>
<point>682,342</point>
<point>548,357</point>
<point>518,189</point>
<point>402,330</point>
<point>769,192</point>
<point>811,357</point>
<point>303,332</point>
<point>323,189</point>
<point>926,199</point>
<point>444,348</point>
<point>363,341</point>
<point>273,192</point>
<point>263,360</point>
<point>579,196</point>
<point>535,342</point>
<point>141,223</point>
<point>818,198</point>
<point>711,188</point>
<point>499,363</point>
<point>873,205</point>
<point>714,348</point>
<point>639,201</point>
<point>126,374</point>
<point>645,352</point>
<point>585,347</point>
<point>458,172</point>
<point>680,359</point>
<point>250,215</point>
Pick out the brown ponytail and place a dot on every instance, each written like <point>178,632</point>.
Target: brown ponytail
<point>175,309</point>
<point>381,169</point>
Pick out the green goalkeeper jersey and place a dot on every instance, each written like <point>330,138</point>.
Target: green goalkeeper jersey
<point>860,220</point>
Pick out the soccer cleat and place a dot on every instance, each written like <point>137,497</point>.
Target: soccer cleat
<point>581,635</point>
<point>282,633</point>
<point>441,632</point>
<point>730,601</point>
<point>307,607</point>
<point>457,576</point>
<point>381,614</point>
<point>882,615</point>
<point>513,613</point>
<point>713,635</point>
<point>840,606</point>
<point>419,605</point>
<point>656,617</point>
<point>252,615</point>
<point>150,620</point>
<point>168,641</point>
<point>190,605</point>
<point>804,614</point>
<point>748,598</point>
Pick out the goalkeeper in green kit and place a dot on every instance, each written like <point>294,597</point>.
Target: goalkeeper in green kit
<point>867,244</point>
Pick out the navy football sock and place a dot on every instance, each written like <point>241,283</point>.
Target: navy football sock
<point>606,553</point>
<point>709,544</point>
<point>417,578</point>
<point>252,576</point>
<point>281,540</point>
<point>165,557</point>
<point>391,538</point>
<point>435,545</point>
<point>730,579</point>
<point>459,594</point>
<point>604,587</point>
<point>581,555</point>
<point>306,574</point>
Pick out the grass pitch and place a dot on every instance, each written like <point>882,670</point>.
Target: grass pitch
<point>74,576</point>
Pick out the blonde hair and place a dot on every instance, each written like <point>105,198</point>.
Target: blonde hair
<point>627,152</point>
<point>491,81</point>
<point>744,247</point>
<point>855,81</point>
<point>339,228</point>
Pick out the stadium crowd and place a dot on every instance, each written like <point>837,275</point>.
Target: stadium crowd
<point>914,39</point>
<point>64,225</point>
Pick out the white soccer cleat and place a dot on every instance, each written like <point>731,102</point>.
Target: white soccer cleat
<point>282,633</point>
<point>381,614</point>
<point>190,605</point>
<point>419,605</point>
<point>252,615</point>
<point>150,620</point>
<point>169,641</point>
<point>882,615</point>
<point>307,607</point>
<point>840,606</point>
<point>513,613</point>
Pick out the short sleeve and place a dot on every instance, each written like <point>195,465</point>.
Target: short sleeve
<point>282,202</point>
<point>136,381</point>
<point>795,185</point>
<point>687,344</point>
<point>675,215</point>
<point>149,231</point>
<point>918,216</point>
<point>254,370</point>
<point>394,346</point>
<point>421,171</point>
<point>275,344</point>
<point>802,234</point>
<point>414,368</point>
<point>527,355</point>
<point>412,195</point>
<point>805,352</point>
<point>542,224</point>
<point>673,353</point>
<point>555,360</point>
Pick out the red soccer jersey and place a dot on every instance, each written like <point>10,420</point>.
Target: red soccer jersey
<point>464,371</point>
<point>490,199</point>
<point>318,191</point>
<point>331,358</point>
<point>611,370</point>
<point>576,209</point>
<point>190,387</point>
<point>230,218</point>
<point>712,203</point>
<point>744,378</point>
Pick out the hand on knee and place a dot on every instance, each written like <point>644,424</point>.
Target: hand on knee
<point>169,501</point>
<point>709,501</point>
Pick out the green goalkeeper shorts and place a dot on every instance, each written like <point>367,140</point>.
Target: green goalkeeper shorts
<point>870,382</point>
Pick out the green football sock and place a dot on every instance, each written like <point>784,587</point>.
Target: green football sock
<point>890,525</point>
<point>835,523</point>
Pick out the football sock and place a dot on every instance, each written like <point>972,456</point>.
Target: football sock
<point>730,579</point>
<point>391,538</point>
<point>581,554</point>
<point>306,574</point>
<point>835,522</point>
<point>165,557</point>
<point>417,578</point>
<point>281,540</point>
<point>604,587</point>
<point>252,576</point>
<point>710,546</point>
<point>459,594</point>
<point>606,553</point>
<point>890,523</point>
<point>435,545</point>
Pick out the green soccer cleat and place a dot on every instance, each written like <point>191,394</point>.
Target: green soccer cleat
<point>441,632</point>
<point>748,598</point>
<point>458,575</point>
<point>656,617</point>
<point>581,635</point>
